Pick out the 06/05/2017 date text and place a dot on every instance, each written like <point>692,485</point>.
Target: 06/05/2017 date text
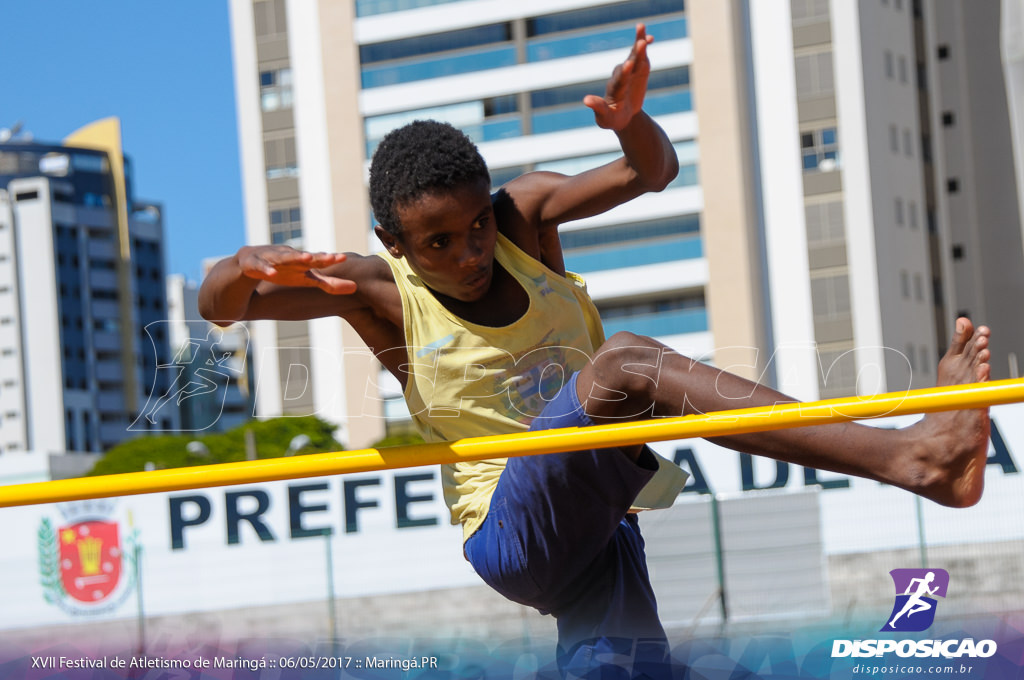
<point>319,662</point>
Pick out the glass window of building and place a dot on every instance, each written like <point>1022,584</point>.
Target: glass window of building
<point>366,8</point>
<point>809,11</point>
<point>439,67</point>
<point>819,149</point>
<point>824,223</point>
<point>814,74</point>
<point>632,11</point>
<point>286,226</point>
<point>637,244</point>
<point>685,313</point>
<point>576,43</point>
<point>281,158</point>
<point>559,108</point>
<point>270,17</point>
<point>276,89</point>
<point>551,36</point>
<point>483,120</point>
<point>830,295</point>
<point>838,372</point>
<point>435,43</point>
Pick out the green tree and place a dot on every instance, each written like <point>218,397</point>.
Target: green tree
<point>401,438</point>
<point>273,437</point>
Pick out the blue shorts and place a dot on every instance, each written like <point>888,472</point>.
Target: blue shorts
<point>558,537</point>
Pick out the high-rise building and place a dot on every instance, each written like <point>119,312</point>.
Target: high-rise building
<point>318,85</point>
<point>972,182</point>
<point>904,183</point>
<point>822,233</point>
<point>313,367</point>
<point>882,203</point>
<point>213,366</point>
<point>81,279</point>
<point>1012,45</point>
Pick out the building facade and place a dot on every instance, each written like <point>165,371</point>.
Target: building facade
<point>82,297</point>
<point>319,85</point>
<point>885,186</point>
<point>973,190</point>
<point>215,377</point>
<point>827,225</point>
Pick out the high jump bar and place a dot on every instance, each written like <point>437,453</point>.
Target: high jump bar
<point>717,424</point>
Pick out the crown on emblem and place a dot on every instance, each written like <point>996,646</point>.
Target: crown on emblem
<point>93,508</point>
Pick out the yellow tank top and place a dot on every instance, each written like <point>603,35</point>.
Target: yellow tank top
<point>468,380</point>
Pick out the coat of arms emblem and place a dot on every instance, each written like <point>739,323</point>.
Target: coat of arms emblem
<point>86,565</point>
<point>90,559</point>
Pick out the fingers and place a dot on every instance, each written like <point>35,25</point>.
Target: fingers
<point>598,104</point>
<point>637,54</point>
<point>626,87</point>
<point>286,265</point>
<point>604,115</point>
<point>642,40</point>
<point>640,43</point>
<point>286,256</point>
<point>333,285</point>
<point>321,259</point>
<point>257,268</point>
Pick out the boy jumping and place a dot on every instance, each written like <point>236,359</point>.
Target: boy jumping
<point>471,309</point>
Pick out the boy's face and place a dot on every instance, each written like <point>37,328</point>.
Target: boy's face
<point>448,239</point>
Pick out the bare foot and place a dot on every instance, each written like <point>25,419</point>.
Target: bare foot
<point>954,444</point>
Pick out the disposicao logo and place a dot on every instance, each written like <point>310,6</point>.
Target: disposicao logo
<point>912,612</point>
<point>916,590</point>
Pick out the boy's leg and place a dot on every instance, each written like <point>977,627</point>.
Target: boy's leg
<point>941,457</point>
<point>557,538</point>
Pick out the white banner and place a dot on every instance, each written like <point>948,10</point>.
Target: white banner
<point>264,544</point>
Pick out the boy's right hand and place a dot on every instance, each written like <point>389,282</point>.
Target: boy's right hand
<point>626,89</point>
<point>286,266</point>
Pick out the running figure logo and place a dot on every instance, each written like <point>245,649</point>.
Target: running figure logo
<point>916,590</point>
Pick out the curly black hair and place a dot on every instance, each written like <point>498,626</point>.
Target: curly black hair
<point>416,159</point>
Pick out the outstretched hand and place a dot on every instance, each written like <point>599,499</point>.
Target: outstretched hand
<point>624,94</point>
<point>286,266</point>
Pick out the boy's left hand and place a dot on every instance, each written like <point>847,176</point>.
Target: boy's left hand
<point>624,94</point>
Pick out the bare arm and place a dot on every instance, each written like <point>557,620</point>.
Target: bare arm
<point>279,282</point>
<point>544,200</point>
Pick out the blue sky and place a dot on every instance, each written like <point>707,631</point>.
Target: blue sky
<point>164,68</point>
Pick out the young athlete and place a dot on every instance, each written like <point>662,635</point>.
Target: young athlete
<point>470,307</point>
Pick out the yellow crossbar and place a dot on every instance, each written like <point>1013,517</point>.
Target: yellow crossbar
<point>760,419</point>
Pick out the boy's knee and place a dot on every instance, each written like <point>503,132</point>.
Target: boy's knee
<point>627,340</point>
<point>624,376</point>
<point>625,348</point>
<point>628,361</point>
